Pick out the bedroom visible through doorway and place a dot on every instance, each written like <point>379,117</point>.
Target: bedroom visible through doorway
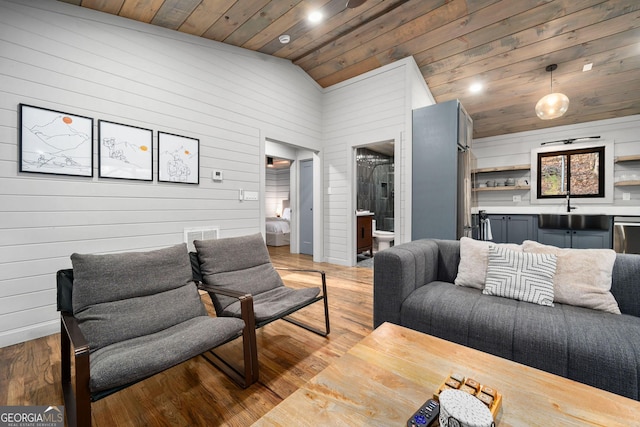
<point>277,201</point>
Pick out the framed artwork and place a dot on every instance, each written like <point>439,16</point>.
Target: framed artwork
<point>178,159</point>
<point>55,142</point>
<point>125,151</point>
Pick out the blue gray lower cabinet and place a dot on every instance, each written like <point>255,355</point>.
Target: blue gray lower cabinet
<point>513,228</point>
<point>578,239</point>
<point>518,228</point>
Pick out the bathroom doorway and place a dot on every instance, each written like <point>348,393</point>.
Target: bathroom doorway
<point>375,191</point>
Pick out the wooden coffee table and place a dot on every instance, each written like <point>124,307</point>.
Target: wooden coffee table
<point>383,379</point>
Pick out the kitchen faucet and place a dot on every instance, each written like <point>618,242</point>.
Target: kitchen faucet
<point>569,207</point>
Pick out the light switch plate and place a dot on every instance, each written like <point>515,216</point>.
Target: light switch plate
<point>517,199</point>
<point>251,195</point>
<point>626,196</point>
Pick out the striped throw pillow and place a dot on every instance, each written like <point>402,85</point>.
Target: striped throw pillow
<point>520,275</point>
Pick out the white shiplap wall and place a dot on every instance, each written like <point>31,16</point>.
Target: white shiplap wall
<point>370,108</point>
<point>515,149</point>
<point>79,61</point>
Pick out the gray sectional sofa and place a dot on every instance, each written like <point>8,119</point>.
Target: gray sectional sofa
<point>414,287</point>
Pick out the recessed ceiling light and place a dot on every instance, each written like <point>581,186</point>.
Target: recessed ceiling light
<point>587,67</point>
<point>315,17</point>
<point>475,88</point>
<point>285,38</point>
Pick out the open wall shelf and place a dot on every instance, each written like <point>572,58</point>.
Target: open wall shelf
<point>503,168</point>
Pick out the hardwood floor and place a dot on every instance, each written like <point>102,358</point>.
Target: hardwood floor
<point>195,393</point>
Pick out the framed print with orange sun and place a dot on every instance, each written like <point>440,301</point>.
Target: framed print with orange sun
<point>125,151</point>
<point>178,159</point>
<point>55,142</point>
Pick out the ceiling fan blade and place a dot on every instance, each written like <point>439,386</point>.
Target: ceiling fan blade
<point>352,4</point>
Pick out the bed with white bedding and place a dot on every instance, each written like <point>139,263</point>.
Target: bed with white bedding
<point>278,230</point>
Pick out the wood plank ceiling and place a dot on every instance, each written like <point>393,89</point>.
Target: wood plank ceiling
<point>504,45</point>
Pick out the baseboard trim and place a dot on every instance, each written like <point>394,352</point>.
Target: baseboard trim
<point>16,336</point>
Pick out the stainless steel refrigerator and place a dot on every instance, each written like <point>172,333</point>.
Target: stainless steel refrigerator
<point>442,166</point>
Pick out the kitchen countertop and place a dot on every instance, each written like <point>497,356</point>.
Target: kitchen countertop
<point>558,209</point>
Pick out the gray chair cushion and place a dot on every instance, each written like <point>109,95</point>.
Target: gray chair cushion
<point>239,263</point>
<point>275,303</point>
<point>117,297</point>
<point>129,361</point>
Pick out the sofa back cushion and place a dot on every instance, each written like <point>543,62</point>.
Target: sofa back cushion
<point>239,263</point>
<point>625,283</point>
<point>474,258</point>
<point>127,295</point>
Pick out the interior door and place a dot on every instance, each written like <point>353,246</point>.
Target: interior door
<point>306,207</point>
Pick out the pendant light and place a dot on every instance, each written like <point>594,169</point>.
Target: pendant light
<point>553,105</point>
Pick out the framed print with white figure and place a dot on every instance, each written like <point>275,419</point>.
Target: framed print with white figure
<point>125,151</point>
<point>178,159</point>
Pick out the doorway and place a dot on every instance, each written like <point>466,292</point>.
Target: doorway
<point>375,193</point>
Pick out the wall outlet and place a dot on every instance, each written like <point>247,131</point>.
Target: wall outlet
<point>626,196</point>
<point>517,199</point>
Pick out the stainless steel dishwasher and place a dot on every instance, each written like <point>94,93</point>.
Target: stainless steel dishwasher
<point>626,234</point>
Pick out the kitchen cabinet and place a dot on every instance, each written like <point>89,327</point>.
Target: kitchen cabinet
<point>513,228</point>
<point>577,239</point>
<point>364,230</point>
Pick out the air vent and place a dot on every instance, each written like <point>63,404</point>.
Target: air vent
<point>199,233</point>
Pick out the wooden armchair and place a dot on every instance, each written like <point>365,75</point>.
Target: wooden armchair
<point>128,316</point>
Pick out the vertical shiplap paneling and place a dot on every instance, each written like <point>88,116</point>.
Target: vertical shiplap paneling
<point>368,109</point>
<point>514,149</point>
<point>80,61</point>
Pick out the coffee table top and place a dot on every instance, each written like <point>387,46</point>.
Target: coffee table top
<point>384,378</point>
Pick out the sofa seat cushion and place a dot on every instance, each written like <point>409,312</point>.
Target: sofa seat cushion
<point>129,361</point>
<point>274,303</point>
<point>592,347</point>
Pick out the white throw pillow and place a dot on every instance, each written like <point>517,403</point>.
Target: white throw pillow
<point>474,257</point>
<point>520,275</point>
<point>583,276</point>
